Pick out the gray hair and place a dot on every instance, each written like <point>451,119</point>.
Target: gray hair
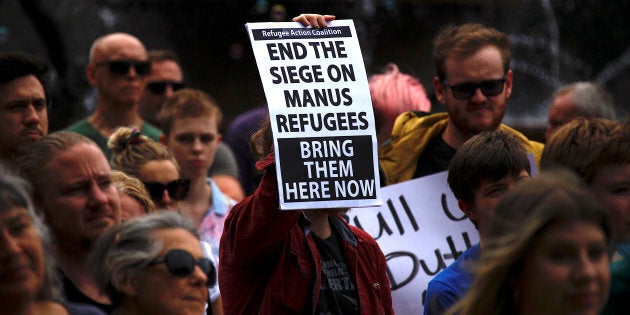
<point>590,99</point>
<point>124,250</point>
<point>15,192</point>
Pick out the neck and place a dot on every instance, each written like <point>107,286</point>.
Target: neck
<point>71,260</point>
<point>106,119</point>
<point>453,136</point>
<point>198,200</point>
<point>319,223</point>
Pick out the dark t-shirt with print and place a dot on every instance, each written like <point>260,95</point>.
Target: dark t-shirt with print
<point>338,292</point>
<point>435,158</point>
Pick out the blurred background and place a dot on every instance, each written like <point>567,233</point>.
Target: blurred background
<point>555,42</point>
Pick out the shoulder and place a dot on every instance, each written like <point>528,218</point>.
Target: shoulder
<point>79,126</point>
<point>82,309</point>
<point>151,131</point>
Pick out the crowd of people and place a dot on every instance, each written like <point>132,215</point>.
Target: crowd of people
<point>140,208</point>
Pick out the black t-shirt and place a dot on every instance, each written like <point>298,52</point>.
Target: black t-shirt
<point>338,292</point>
<point>435,158</point>
<point>73,294</point>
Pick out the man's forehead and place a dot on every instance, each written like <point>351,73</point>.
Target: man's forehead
<point>119,47</point>
<point>20,85</point>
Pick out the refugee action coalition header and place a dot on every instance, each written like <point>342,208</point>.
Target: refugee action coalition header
<point>321,114</point>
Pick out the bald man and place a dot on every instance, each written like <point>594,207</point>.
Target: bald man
<point>118,69</point>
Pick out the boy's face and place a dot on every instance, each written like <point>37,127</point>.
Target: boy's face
<point>486,196</point>
<point>193,141</point>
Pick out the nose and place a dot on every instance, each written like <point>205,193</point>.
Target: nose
<point>586,268</point>
<point>168,92</point>
<point>478,96</point>
<point>31,116</point>
<point>166,201</point>
<point>197,145</point>
<point>199,277</point>
<point>97,196</point>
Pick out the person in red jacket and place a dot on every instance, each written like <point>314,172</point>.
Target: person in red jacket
<point>297,262</point>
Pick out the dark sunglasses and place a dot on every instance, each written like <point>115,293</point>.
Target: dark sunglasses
<point>466,90</point>
<point>160,86</point>
<point>177,189</point>
<point>121,67</point>
<point>181,263</point>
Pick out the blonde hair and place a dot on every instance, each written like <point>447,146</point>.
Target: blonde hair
<point>131,150</point>
<point>134,188</point>
<point>188,103</point>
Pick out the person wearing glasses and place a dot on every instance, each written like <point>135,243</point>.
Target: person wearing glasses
<point>75,193</point>
<point>474,83</point>
<point>152,163</point>
<point>118,69</point>
<point>154,264</point>
<point>155,166</point>
<point>166,78</point>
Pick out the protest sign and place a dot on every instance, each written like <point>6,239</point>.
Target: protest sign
<point>321,114</point>
<point>421,231</point>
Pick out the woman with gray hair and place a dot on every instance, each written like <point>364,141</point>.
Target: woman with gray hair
<point>154,264</point>
<point>28,283</point>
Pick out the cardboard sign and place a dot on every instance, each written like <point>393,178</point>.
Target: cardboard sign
<point>321,114</point>
<point>421,231</point>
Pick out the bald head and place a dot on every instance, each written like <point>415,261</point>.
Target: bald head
<point>117,46</point>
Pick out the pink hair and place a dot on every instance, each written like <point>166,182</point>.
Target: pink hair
<point>394,93</point>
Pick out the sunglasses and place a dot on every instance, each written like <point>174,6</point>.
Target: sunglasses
<point>121,67</point>
<point>159,87</point>
<point>181,263</point>
<point>177,189</point>
<point>466,90</point>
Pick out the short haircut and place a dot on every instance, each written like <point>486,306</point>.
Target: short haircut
<point>125,249</point>
<point>394,93</point>
<point>33,165</point>
<point>612,151</point>
<point>465,40</point>
<point>131,149</point>
<point>520,217</point>
<point>15,193</point>
<point>134,188</point>
<point>489,155</point>
<point>188,103</point>
<point>16,64</point>
<point>159,55</point>
<point>590,99</point>
<point>571,144</point>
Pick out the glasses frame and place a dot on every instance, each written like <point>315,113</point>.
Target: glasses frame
<point>142,68</point>
<point>172,187</point>
<point>175,259</point>
<point>159,87</point>
<point>484,86</point>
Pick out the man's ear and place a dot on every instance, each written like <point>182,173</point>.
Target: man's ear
<point>90,73</point>
<point>468,209</point>
<point>127,286</point>
<point>440,92</point>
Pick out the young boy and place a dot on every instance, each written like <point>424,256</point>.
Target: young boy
<point>190,122</point>
<point>482,170</point>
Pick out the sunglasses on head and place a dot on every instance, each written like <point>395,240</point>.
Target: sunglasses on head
<point>466,90</point>
<point>159,87</point>
<point>181,263</point>
<point>177,189</point>
<point>121,67</point>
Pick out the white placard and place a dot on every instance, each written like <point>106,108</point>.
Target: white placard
<point>421,231</point>
<point>321,114</point>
